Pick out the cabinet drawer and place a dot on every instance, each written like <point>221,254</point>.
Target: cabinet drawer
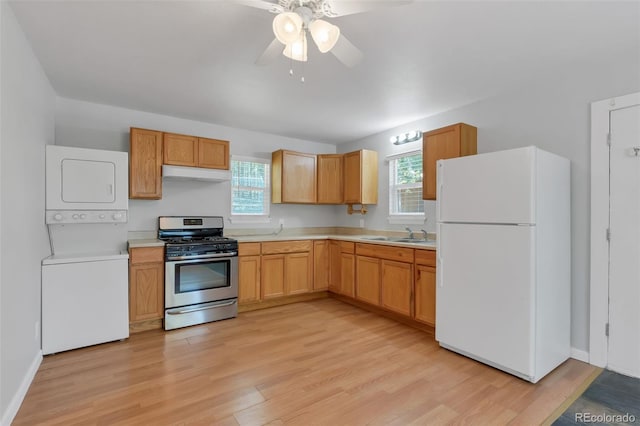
<point>248,249</point>
<point>347,247</point>
<point>275,247</point>
<point>146,255</point>
<point>426,257</point>
<point>385,252</point>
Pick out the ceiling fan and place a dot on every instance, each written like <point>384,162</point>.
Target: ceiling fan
<point>295,19</point>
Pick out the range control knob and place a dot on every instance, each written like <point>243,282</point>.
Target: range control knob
<point>75,216</point>
<point>101,216</point>
<point>57,216</point>
<point>83,216</point>
<point>117,216</point>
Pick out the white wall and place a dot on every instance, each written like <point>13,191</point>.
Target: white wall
<point>91,125</point>
<point>28,105</point>
<point>552,114</point>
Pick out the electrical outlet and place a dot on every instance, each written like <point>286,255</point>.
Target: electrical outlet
<point>36,334</point>
<point>281,222</point>
<point>361,223</point>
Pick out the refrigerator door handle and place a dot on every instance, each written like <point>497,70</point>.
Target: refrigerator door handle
<point>440,182</point>
<point>440,272</point>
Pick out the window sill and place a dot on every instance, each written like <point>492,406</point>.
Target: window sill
<point>407,219</point>
<point>249,219</point>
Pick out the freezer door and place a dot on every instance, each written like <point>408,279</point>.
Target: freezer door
<point>485,293</point>
<point>497,187</point>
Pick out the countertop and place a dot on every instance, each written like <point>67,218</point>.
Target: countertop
<point>431,245</point>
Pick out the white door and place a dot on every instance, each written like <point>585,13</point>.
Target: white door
<point>496,187</point>
<point>624,261</point>
<point>88,181</point>
<point>484,293</point>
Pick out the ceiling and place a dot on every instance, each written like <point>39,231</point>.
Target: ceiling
<point>196,59</point>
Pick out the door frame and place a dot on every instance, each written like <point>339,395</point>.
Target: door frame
<point>599,180</point>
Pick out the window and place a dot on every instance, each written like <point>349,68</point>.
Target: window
<point>250,189</point>
<point>405,188</point>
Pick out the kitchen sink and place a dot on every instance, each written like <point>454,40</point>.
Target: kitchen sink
<point>376,238</point>
<point>400,240</point>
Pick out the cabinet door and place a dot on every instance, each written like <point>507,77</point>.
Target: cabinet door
<point>213,153</point>
<point>298,177</point>
<point>248,279</point>
<point>146,291</point>
<point>368,279</point>
<point>397,282</point>
<point>335,268</point>
<point>330,186</point>
<point>145,164</point>
<point>425,294</point>
<point>448,142</point>
<point>297,273</point>
<point>272,271</point>
<point>180,150</point>
<point>321,265</point>
<point>347,274</point>
<point>352,178</point>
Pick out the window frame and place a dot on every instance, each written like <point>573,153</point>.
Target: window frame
<point>395,217</point>
<point>263,217</point>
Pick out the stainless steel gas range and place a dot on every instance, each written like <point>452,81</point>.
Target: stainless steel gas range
<point>201,270</point>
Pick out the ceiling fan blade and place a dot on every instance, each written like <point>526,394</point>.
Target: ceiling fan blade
<point>346,52</point>
<point>270,53</point>
<point>336,8</point>
<point>261,4</point>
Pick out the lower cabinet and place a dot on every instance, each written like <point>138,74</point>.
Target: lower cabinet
<point>335,267</point>
<point>425,287</point>
<point>368,280</point>
<point>342,268</point>
<point>321,265</point>
<point>347,274</point>
<point>273,266</point>
<point>248,272</point>
<point>146,284</point>
<point>397,283</point>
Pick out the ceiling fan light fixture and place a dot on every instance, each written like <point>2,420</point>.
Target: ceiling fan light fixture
<point>324,34</point>
<point>297,50</point>
<point>287,27</point>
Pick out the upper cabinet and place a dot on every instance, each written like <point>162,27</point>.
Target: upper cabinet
<point>457,140</point>
<point>293,177</point>
<point>361,177</point>
<point>191,151</point>
<point>150,149</point>
<point>330,182</point>
<point>145,164</point>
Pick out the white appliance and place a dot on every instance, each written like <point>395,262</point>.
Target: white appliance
<point>85,298</point>
<point>504,264</point>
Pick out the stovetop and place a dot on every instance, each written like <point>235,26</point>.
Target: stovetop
<point>195,237</point>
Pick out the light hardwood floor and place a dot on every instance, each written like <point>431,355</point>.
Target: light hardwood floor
<point>314,363</point>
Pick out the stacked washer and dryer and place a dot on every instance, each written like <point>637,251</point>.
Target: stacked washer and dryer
<point>85,280</point>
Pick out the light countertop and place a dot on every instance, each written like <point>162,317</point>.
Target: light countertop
<point>430,245</point>
<point>149,242</point>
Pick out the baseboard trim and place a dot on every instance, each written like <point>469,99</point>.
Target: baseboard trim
<point>580,355</point>
<point>16,401</point>
<point>279,301</point>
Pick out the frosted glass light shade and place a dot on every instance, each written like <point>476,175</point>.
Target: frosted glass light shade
<point>297,50</point>
<point>324,34</point>
<point>287,27</point>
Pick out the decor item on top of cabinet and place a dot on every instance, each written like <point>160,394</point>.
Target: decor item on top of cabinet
<point>360,179</point>
<point>293,177</point>
<point>457,140</point>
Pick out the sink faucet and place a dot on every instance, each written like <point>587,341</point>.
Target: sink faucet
<point>424,234</point>
<point>410,232</point>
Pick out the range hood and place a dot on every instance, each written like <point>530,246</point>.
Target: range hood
<point>196,173</point>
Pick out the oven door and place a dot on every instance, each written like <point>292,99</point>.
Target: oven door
<point>188,282</point>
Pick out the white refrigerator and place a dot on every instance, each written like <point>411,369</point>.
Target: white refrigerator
<point>504,259</point>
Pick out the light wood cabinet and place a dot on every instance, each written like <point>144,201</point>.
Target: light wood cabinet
<point>145,164</point>
<point>361,177</point>
<point>335,268</point>
<point>146,284</point>
<point>368,280</point>
<point>248,272</point>
<point>425,287</point>
<point>397,284</point>
<point>321,265</point>
<point>286,268</point>
<point>293,177</point>
<point>192,151</point>
<point>453,141</point>
<point>342,268</point>
<point>347,274</point>
<point>330,182</point>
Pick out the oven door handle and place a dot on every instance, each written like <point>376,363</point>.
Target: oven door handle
<point>202,256</point>
<point>203,308</point>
